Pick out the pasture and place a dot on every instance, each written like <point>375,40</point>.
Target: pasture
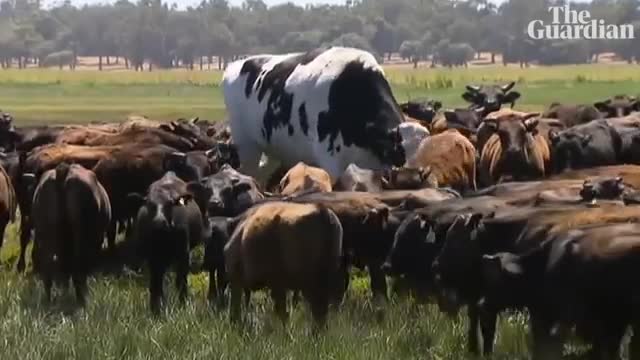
<point>116,323</point>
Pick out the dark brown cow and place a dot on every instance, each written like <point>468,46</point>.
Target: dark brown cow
<point>421,110</point>
<point>515,151</point>
<point>572,115</point>
<point>33,165</point>
<point>466,121</point>
<point>71,212</point>
<point>284,246</point>
<point>451,158</point>
<point>618,106</point>
<point>303,177</point>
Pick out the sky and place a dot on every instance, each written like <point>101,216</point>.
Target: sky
<point>185,3</point>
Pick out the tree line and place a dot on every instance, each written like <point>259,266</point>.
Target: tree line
<point>157,34</point>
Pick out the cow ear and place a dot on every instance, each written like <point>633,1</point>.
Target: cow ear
<point>437,105</point>
<point>619,179</point>
<point>602,106</point>
<point>183,199</point>
<point>511,97</point>
<point>635,104</point>
<point>469,97</point>
<point>425,172</point>
<point>451,117</point>
<point>530,124</point>
<point>283,183</point>
<point>553,136</point>
<point>195,120</point>
<point>473,88</point>
<point>211,131</point>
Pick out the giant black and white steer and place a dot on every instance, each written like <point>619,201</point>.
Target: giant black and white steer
<point>328,108</point>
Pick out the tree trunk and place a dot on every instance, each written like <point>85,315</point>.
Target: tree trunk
<point>493,58</point>
<point>415,63</point>
<point>150,66</point>
<point>219,62</point>
<point>201,63</point>
<point>99,62</point>
<point>108,60</point>
<point>126,63</point>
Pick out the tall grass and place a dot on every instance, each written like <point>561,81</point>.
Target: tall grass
<point>117,324</point>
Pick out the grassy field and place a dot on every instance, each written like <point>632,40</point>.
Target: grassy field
<point>38,96</point>
<point>116,323</point>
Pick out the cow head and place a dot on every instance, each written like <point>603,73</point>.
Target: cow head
<point>227,193</point>
<point>386,145</point>
<point>567,148</point>
<point>618,106</point>
<point>223,153</point>
<point>491,97</point>
<point>423,110</point>
<point>451,267</point>
<point>403,178</point>
<point>159,206</point>
<point>414,244</point>
<point>515,135</point>
<point>606,188</point>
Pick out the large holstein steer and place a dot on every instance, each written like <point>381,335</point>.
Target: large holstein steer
<point>327,108</point>
<point>169,224</point>
<point>284,246</point>
<point>490,97</point>
<point>71,212</point>
<point>515,151</point>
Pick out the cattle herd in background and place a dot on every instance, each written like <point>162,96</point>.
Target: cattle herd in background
<point>494,209</point>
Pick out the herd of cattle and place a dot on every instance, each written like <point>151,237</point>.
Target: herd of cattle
<point>484,207</point>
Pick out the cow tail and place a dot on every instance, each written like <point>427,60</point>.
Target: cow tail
<point>65,239</point>
<point>335,250</point>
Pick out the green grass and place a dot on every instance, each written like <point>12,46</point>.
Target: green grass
<point>117,324</point>
<point>50,96</point>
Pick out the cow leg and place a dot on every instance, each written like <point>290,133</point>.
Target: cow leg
<point>111,238</point>
<point>47,280</point>
<point>488,327</point>
<point>472,331</point>
<point>3,226</point>
<point>607,343</point>
<point>80,286</point>
<point>156,291</point>
<point>182,272</point>
<point>25,236</point>
<point>546,345</point>
<point>236,302</point>
<point>279,297</point>
<point>319,301</point>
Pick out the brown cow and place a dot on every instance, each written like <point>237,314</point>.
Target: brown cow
<point>451,158</point>
<point>303,177</point>
<point>284,246</point>
<point>71,213</point>
<point>515,151</point>
<point>571,115</point>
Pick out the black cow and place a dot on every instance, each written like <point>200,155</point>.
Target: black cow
<point>421,109</point>
<point>490,97</point>
<point>168,225</point>
<point>593,144</point>
<point>618,106</point>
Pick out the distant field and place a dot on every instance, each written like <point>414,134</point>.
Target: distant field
<point>52,96</point>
